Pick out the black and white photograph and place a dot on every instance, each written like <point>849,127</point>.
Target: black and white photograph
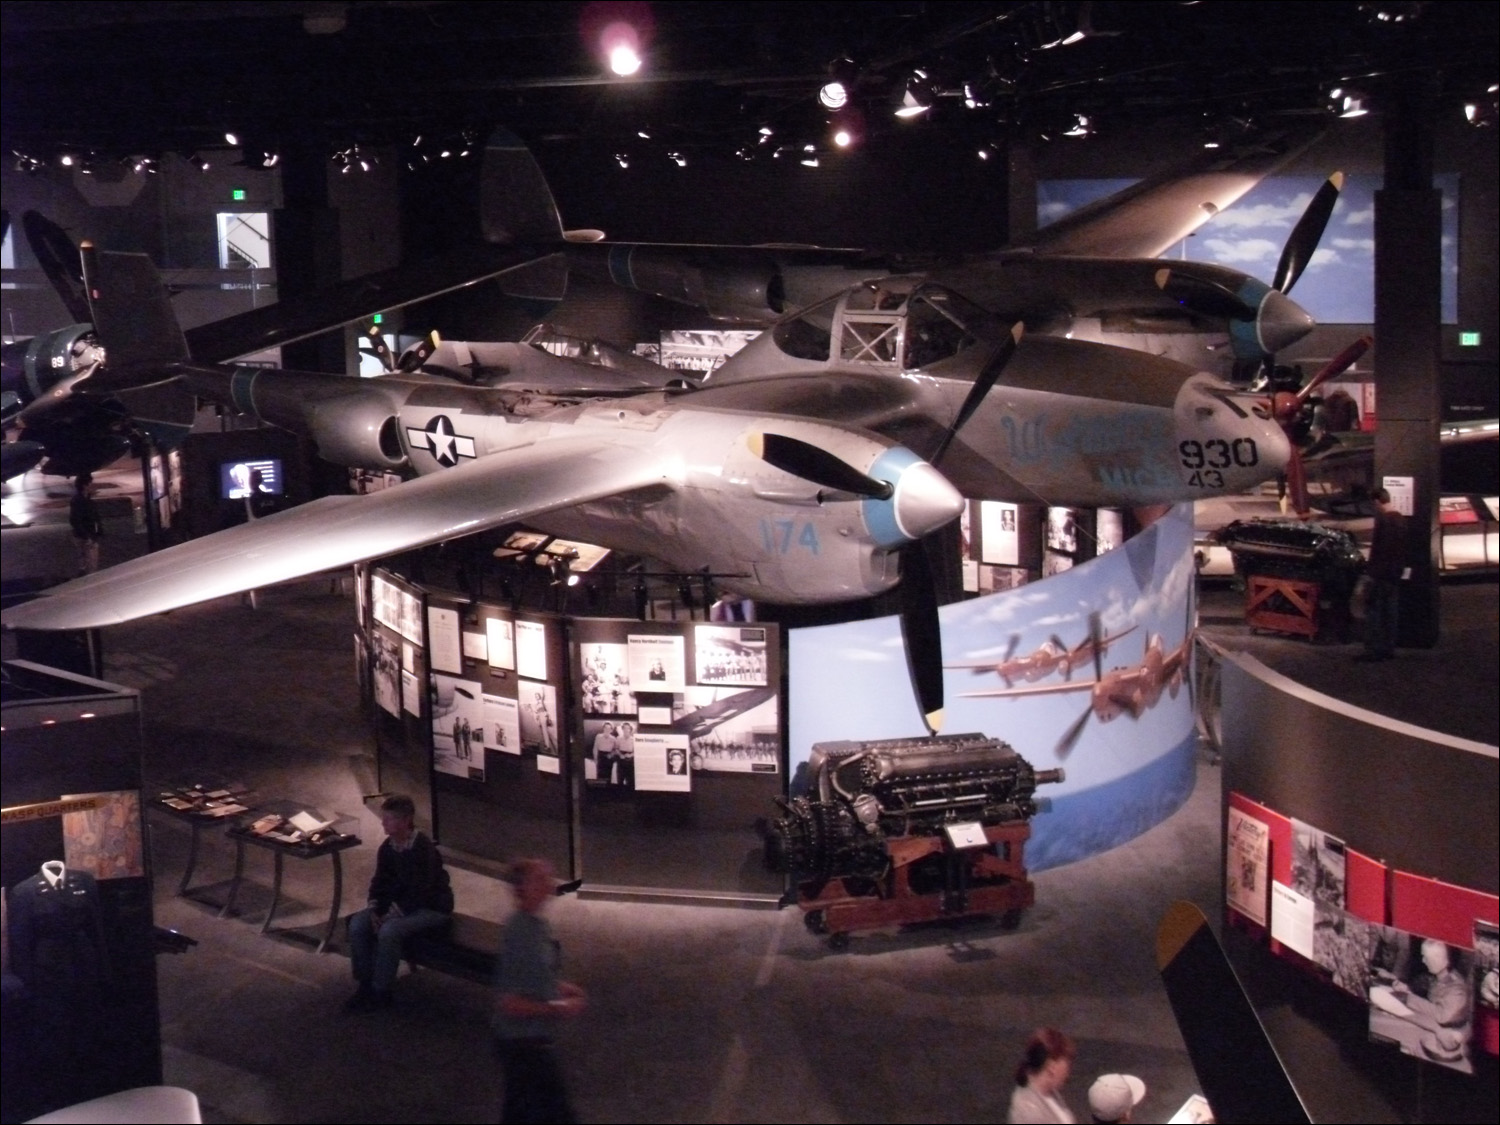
<point>1421,998</point>
<point>1487,965</point>
<point>531,650</point>
<point>1055,562</point>
<point>1062,529</point>
<point>605,688</point>
<point>661,763</point>
<point>444,640</point>
<point>999,544</point>
<point>1109,530</point>
<point>730,654</point>
<point>411,693</point>
<point>609,752</point>
<point>500,640</point>
<point>1245,866</point>
<point>539,719</point>
<point>1318,864</point>
<point>1345,946</point>
<point>385,667</point>
<point>396,609</point>
<point>476,647</point>
<point>657,662</point>
<point>457,727</point>
<point>502,724</point>
<point>731,731</point>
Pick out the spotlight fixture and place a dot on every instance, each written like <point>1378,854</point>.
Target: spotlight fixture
<point>232,139</point>
<point>622,159</point>
<point>836,92</point>
<point>1482,112</point>
<point>1347,103</point>
<point>199,161</point>
<point>678,159</point>
<point>67,160</point>
<point>31,165</point>
<point>843,138</point>
<point>917,97</point>
<point>1081,127</point>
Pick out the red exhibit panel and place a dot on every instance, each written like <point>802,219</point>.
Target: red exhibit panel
<point>1364,888</point>
<point>1439,910</point>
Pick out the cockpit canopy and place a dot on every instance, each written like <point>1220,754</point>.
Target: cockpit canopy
<point>897,323</point>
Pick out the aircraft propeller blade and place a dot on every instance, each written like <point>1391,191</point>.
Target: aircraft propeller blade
<point>922,634</point>
<point>1304,238</point>
<point>1096,644</point>
<point>802,459</point>
<point>982,386</point>
<point>1286,407</point>
<point>419,353</point>
<point>1070,736</point>
<point>58,257</point>
<point>1010,649</point>
<point>380,349</point>
<point>1204,297</point>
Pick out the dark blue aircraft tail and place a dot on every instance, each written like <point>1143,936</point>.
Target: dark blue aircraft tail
<point>133,316</point>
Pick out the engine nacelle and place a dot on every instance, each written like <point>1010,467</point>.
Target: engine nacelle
<point>357,429</point>
<point>865,793</point>
<point>749,289</point>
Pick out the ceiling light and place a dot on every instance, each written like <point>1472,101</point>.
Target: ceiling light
<point>1081,127</point>
<point>622,159</point>
<point>231,139</point>
<point>833,95</point>
<point>678,159</point>
<point>66,160</point>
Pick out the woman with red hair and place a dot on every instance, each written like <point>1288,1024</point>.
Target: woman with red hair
<point>1040,1078</point>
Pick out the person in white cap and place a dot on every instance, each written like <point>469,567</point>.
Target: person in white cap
<point>1113,1097</point>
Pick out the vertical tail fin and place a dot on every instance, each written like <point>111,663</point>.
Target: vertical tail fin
<point>133,316</point>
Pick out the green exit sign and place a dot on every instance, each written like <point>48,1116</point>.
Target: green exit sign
<point>1468,339</point>
<point>238,194</point>
<point>378,318</point>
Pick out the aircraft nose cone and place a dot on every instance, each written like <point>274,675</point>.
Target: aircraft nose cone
<point>924,501</point>
<point>1281,322</point>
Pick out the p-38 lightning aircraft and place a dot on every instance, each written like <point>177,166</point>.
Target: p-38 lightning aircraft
<point>784,473</point>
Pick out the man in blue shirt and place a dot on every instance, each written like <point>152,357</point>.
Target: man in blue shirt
<point>530,1001</point>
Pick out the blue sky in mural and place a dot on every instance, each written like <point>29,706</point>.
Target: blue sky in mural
<point>850,680</point>
<point>1339,285</point>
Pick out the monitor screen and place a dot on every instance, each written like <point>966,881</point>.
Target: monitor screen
<point>235,477</point>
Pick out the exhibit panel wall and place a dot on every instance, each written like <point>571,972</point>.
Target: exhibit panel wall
<point>1364,850</point>
<point>681,752</point>
<point>1020,666</point>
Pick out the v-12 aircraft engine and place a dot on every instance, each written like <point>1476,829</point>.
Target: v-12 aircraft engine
<point>863,795</point>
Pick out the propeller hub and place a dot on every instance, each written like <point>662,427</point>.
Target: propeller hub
<point>922,500</point>
<point>1281,322</point>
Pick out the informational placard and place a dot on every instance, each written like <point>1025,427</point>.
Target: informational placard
<point>1292,919</point>
<point>1246,865</point>
<point>411,693</point>
<point>500,640</point>
<point>661,763</point>
<point>476,647</point>
<point>969,834</point>
<point>396,609</point>
<point>657,662</point>
<point>442,630</point>
<point>1403,492</point>
<point>531,649</point>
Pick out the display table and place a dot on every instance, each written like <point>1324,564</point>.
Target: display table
<point>281,843</point>
<point>200,807</point>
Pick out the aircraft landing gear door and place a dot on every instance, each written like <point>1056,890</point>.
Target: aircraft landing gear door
<point>871,325</point>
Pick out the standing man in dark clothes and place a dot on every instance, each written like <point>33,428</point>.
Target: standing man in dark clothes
<point>409,893</point>
<point>88,528</point>
<point>529,1003</point>
<point>1387,567</point>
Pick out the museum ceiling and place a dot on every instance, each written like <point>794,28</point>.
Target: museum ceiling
<point>129,79</point>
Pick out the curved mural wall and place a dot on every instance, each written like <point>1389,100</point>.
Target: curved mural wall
<point>1020,668</point>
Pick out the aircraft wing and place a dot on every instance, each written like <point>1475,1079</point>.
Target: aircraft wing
<point>298,318</point>
<point>337,531</point>
<point>1041,689</point>
<point>1149,218</point>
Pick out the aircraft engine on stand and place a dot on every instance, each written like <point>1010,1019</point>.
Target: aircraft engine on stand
<point>865,794</point>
